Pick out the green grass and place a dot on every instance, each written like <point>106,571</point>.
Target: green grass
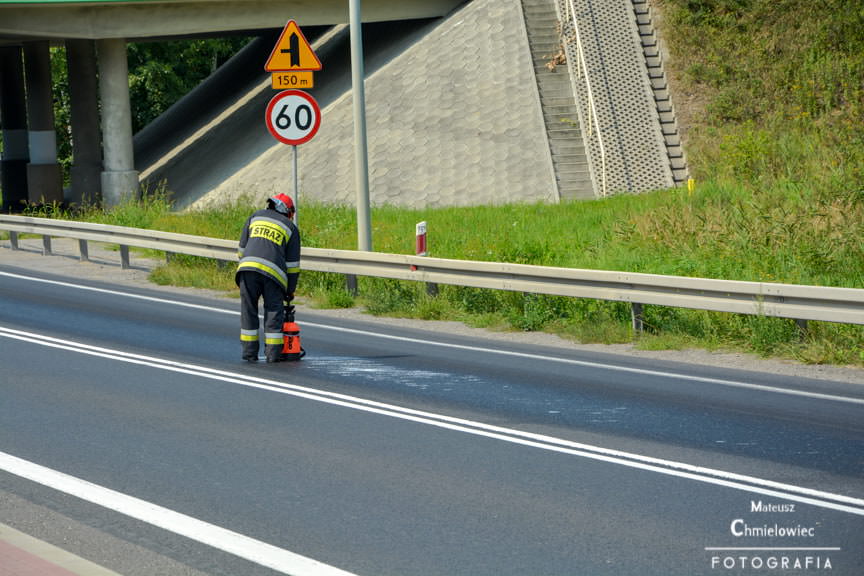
<point>772,93</point>
<point>790,234</point>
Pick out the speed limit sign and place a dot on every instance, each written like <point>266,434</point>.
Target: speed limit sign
<point>293,117</point>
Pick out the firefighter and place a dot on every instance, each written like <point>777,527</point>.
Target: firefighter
<point>269,267</point>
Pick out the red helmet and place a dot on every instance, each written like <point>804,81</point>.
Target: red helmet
<point>281,203</point>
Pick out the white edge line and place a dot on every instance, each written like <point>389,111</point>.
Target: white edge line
<point>611,367</point>
<point>583,363</point>
<point>237,544</point>
<point>671,468</point>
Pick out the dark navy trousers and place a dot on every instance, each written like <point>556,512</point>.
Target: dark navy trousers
<point>254,287</point>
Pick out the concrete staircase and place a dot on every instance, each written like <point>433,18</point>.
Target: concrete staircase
<point>635,147</point>
<point>560,113</point>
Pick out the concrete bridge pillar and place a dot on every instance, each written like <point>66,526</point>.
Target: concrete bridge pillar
<point>44,176</point>
<point>13,121</point>
<point>85,176</point>
<point>119,177</point>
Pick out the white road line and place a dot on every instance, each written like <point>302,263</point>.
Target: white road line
<point>667,467</point>
<point>117,293</point>
<point>540,357</point>
<point>234,543</point>
<point>602,366</point>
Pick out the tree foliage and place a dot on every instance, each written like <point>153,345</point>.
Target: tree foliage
<point>160,73</point>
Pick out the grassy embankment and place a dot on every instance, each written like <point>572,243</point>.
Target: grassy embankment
<point>771,95</point>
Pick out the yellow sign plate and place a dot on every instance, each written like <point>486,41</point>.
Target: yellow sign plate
<point>287,80</point>
<point>292,52</point>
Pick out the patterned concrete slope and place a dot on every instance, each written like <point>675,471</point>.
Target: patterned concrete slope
<point>452,116</point>
<point>461,110</point>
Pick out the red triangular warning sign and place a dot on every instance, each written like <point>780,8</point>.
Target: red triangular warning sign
<point>292,52</point>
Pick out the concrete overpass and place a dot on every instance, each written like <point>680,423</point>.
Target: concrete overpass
<point>27,21</point>
<point>95,34</point>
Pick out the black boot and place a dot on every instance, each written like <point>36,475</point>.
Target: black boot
<point>273,353</point>
<point>250,351</point>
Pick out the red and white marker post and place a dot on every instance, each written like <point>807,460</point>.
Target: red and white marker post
<point>420,243</point>
<point>420,249</point>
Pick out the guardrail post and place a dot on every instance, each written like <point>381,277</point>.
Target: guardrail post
<point>124,257</point>
<point>82,250</point>
<point>803,329</point>
<point>13,240</point>
<point>46,245</point>
<point>638,318</point>
<point>351,284</point>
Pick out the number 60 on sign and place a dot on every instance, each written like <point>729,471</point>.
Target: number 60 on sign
<point>293,117</point>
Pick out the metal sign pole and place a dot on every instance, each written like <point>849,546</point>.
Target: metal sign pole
<point>364,223</point>
<point>296,184</point>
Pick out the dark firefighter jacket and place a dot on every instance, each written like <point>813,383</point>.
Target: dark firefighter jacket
<point>270,245</point>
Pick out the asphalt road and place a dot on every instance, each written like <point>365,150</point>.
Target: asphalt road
<point>128,420</point>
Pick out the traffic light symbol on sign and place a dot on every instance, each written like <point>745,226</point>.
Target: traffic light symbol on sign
<point>292,52</point>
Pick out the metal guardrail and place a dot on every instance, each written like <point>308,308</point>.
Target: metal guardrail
<point>828,304</point>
